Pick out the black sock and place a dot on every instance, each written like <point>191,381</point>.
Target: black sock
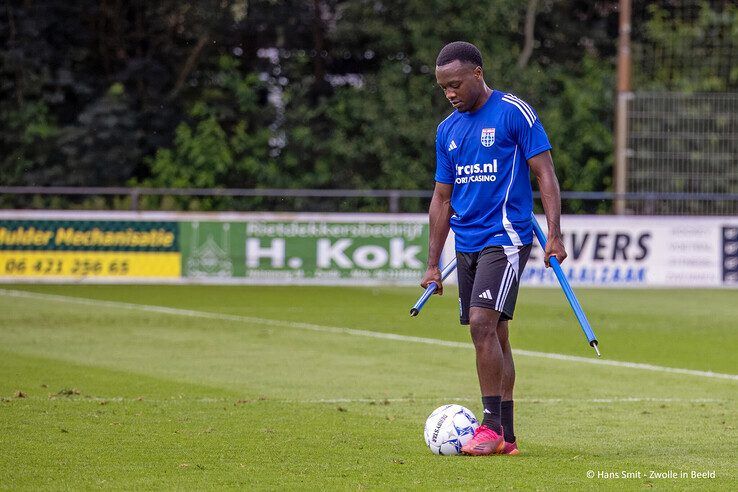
<point>492,413</point>
<point>507,420</point>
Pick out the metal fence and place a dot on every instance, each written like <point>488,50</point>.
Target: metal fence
<point>308,200</point>
<point>682,123</point>
<point>683,143</point>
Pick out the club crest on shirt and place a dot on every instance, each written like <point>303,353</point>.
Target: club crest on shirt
<point>488,137</point>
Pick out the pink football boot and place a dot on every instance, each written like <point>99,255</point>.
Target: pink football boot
<point>485,442</point>
<point>511,448</point>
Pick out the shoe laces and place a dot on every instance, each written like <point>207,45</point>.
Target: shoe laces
<point>483,429</point>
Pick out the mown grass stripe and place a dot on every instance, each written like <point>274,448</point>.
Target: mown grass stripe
<point>350,331</point>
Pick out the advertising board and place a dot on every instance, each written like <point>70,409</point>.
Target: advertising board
<point>344,249</point>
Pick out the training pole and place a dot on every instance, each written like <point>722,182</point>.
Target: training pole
<point>568,292</point>
<point>415,310</point>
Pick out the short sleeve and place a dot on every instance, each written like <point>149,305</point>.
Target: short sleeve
<point>526,129</point>
<point>444,167</point>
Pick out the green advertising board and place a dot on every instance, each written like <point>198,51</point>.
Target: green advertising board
<point>320,251</point>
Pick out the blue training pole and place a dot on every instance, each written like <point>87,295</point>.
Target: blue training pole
<point>568,292</point>
<point>415,310</point>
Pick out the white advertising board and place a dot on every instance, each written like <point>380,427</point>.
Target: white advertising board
<point>653,251</point>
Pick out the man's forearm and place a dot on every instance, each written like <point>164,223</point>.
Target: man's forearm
<point>551,199</point>
<point>439,216</point>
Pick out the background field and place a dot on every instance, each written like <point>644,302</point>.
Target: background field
<point>269,389</point>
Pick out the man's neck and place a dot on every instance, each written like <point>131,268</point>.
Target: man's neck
<point>482,99</point>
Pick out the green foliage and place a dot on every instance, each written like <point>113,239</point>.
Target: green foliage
<point>689,52</point>
<point>199,158</point>
<point>27,140</point>
<point>223,144</point>
<point>324,94</point>
<point>578,118</point>
<point>102,148</point>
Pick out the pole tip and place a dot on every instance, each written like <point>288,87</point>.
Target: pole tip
<point>594,346</point>
<point>414,312</point>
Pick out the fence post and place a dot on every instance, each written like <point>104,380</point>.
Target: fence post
<point>394,202</point>
<point>134,194</point>
<point>620,167</point>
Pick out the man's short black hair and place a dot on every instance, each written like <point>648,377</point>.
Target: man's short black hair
<point>459,50</point>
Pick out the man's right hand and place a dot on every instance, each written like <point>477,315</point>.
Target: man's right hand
<point>433,275</point>
<point>554,247</point>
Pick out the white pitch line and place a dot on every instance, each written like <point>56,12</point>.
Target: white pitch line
<point>378,401</point>
<point>519,400</point>
<point>350,331</point>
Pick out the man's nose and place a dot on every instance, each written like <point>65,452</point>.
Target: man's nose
<point>450,94</point>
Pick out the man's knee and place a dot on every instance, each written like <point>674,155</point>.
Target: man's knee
<point>483,325</point>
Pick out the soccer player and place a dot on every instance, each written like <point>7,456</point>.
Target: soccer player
<point>485,151</point>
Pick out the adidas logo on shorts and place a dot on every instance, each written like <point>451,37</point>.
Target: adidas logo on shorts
<point>486,294</point>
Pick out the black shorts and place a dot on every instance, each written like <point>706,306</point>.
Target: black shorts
<point>489,279</point>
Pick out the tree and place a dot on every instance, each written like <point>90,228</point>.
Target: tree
<point>299,93</point>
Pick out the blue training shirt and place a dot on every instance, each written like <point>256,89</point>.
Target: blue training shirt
<point>484,155</point>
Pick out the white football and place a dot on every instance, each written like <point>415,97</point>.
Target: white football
<point>448,428</point>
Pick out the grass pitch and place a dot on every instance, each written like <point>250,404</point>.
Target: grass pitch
<point>260,394</point>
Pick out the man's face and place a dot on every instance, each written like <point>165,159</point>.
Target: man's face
<point>461,83</point>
